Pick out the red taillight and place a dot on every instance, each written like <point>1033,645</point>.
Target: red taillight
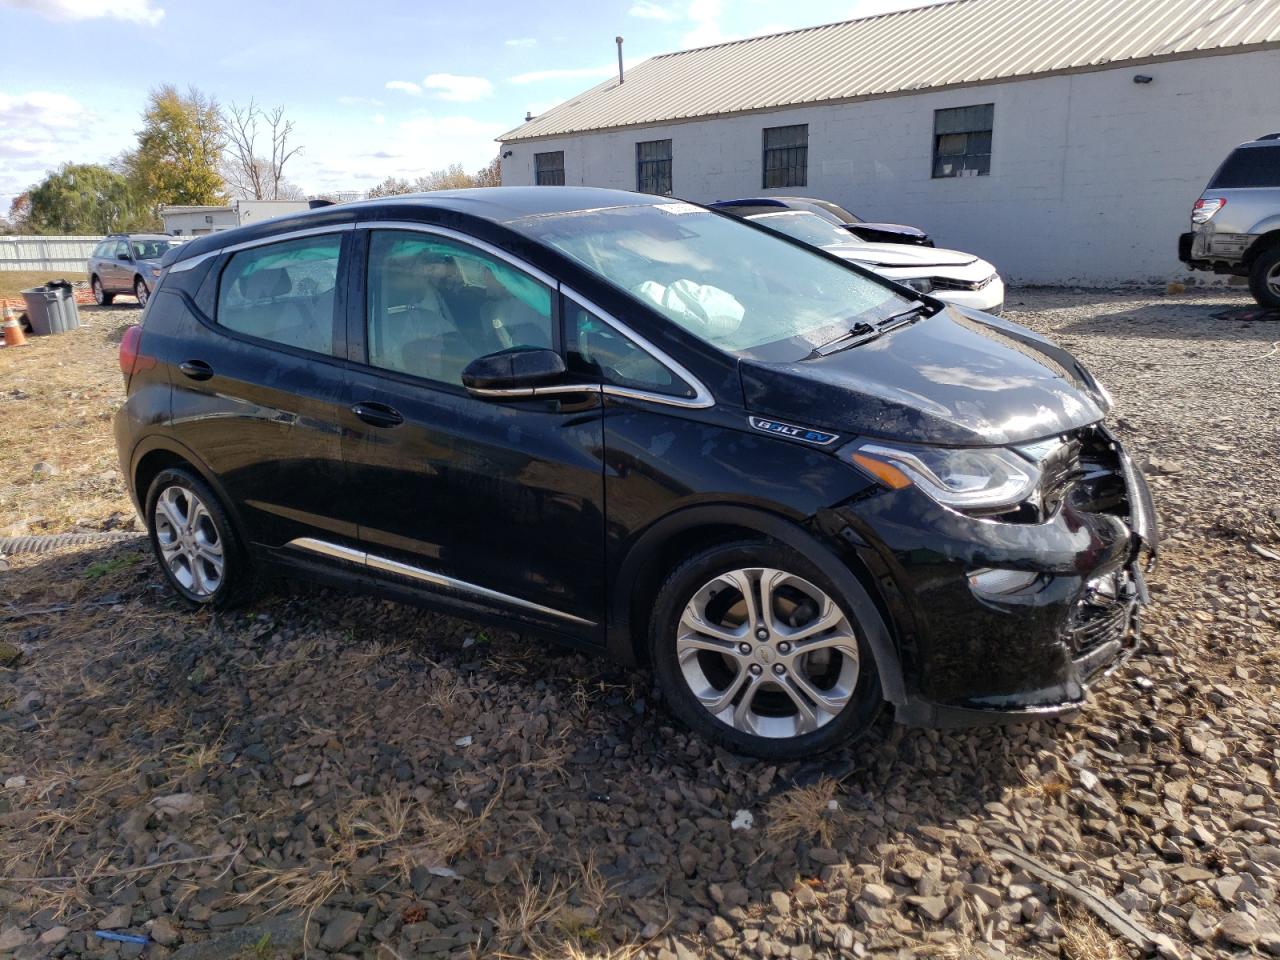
<point>1205,209</point>
<point>131,361</point>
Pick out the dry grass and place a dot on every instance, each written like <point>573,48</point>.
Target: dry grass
<point>1086,939</point>
<point>13,282</point>
<point>57,396</point>
<point>803,813</point>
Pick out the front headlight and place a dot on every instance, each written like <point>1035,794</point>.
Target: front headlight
<point>965,478</point>
<point>155,272</point>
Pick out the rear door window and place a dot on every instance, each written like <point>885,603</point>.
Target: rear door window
<point>1249,167</point>
<point>283,292</point>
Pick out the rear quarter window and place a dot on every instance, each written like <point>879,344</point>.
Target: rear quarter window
<point>1249,167</point>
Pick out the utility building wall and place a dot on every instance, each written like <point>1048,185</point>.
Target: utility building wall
<point>1092,176</point>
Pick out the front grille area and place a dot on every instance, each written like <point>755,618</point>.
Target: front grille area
<point>945,283</point>
<point>1103,613</point>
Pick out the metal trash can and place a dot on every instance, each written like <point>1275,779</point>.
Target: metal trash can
<point>52,308</point>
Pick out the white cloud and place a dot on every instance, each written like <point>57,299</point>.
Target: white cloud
<point>38,131</point>
<point>407,86</point>
<point>38,109</point>
<point>705,17</point>
<point>133,11</point>
<point>648,10</point>
<point>379,119</point>
<point>348,101</point>
<point>459,89</point>
<point>408,149</point>
<point>537,76</point>
<point>521,42</point>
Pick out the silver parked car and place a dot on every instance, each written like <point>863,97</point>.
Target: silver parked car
<point>127,263</point>
<point>1235,225</point>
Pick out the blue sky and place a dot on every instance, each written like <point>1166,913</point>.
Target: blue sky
<point>377,88</point>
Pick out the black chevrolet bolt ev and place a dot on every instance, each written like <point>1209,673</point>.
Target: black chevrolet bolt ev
<point>648,429</point>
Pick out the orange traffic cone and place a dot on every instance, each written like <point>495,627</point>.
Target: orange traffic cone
<point>13,335</point>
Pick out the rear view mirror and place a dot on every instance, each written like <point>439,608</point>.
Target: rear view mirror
<point>514,372</point>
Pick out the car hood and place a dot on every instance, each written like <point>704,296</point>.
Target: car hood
<point>959,377</point>
<point>900,255</point>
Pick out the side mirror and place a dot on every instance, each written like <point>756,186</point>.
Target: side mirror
<point>512,373</point>
<point>123,256</point>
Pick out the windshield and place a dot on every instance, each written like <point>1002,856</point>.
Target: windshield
<point>151,249</point>
<point>805,226</point>
<point>737,288</point>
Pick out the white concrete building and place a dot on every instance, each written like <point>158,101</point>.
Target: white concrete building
<point>1063,140</point>
<point>194,221</point>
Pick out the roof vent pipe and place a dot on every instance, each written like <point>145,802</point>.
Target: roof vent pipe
<point>618,41</point>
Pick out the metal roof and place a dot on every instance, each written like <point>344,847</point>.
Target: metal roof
<point>949,44</point>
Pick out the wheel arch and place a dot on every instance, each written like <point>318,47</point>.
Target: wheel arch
<point>154,454</point>
<point>1266,241</point>
<point>678,535</point>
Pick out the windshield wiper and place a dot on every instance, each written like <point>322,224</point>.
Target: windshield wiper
<point>859,334</point>
<point>906,316</point>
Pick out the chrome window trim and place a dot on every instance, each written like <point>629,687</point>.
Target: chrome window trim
<point>181,265</point>
<point>387,565</point>
<point>516,393</point>
<point>465,238</point>
<point>701,398</point>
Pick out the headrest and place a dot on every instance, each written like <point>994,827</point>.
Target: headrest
<point>265,284</point>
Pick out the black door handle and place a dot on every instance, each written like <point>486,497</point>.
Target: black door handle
<point>377,414</point>
<point>196,369</point>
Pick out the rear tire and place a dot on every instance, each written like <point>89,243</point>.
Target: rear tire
<point>785,674</point>
<point>100,296</point>
<point>1264,278</point>
<point>195,543</point>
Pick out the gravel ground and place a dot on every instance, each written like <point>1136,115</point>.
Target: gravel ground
<point>360,778</point>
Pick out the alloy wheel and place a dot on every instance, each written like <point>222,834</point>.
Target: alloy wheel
<point>1272,280</point>
<point>140,291</point>
<point>189,541</point>
<point>767,652</point>
<point>99,295</point>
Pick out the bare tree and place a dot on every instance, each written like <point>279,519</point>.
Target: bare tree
<point>249,174</point>
<point>490,175</point>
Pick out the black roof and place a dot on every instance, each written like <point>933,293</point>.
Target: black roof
<point>495,204</point>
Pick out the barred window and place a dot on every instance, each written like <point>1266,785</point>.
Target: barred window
<point>653,167</point>
<point>962,141</point>
<point>786,156</point>
<point>549,169</point>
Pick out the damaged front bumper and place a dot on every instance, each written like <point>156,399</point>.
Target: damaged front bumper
<point>1002,621</point>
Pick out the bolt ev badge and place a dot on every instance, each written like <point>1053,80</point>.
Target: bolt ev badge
<point>794,432</point>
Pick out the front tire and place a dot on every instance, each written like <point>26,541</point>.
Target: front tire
<point>141,292</point>
<point>756,650</point>
<point>100,296</point>
<point>194,542</point>
<point>1264,278</point>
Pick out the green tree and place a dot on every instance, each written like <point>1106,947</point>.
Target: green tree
<point>81,198</point>
<point>179,148</point>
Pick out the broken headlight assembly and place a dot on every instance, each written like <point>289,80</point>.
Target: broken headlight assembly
<point>969,479</point>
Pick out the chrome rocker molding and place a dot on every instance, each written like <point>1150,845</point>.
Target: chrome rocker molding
<point>375,562</point>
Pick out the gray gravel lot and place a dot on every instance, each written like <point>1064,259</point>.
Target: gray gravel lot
<point>373,780</point>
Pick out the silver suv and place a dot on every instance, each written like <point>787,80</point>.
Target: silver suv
<point>127,263</point>
<point>1235,225</point>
